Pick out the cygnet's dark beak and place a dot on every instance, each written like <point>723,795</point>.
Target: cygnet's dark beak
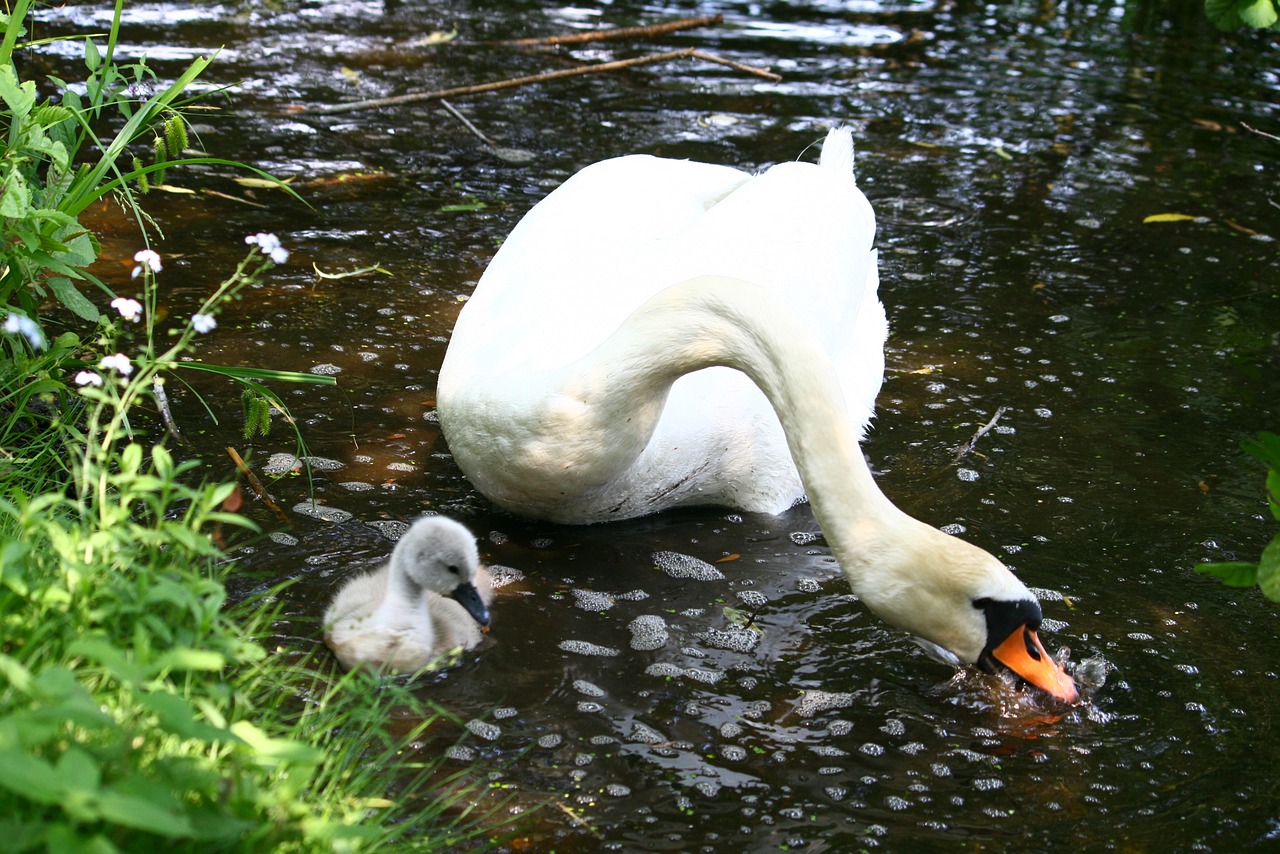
<point>1023,653</point>
<point>468,597</point>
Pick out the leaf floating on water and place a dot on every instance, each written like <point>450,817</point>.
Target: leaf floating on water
<point>437,37</point>
<point>1167,217</point>
<point>465,206</point>
<point>260,183</point>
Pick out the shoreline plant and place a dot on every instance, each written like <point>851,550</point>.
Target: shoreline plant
<point>137,710</point>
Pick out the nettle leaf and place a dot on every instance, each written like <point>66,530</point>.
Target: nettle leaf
<point>1223,14</point>
<point>1257,13</point>
<point>19,98</point>
<point>1269,570</point>
<point>1234,573</point>
<point>1265,447</point>
<point>69,295</point>
<point>16,199</point>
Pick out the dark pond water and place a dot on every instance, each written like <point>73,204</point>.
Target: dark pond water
<point>1012,152</point>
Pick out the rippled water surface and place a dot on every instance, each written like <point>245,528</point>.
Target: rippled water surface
<point>703,680</point>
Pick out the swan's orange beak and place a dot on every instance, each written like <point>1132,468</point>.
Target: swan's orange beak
<point>1022,653</point>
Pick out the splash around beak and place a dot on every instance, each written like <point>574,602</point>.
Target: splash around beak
<point>1022,653</point>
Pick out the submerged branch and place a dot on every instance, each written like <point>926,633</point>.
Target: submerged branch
<point>620,33</point>
<point>982,431</point>
<point>255,484</point>
<point>529,80</point>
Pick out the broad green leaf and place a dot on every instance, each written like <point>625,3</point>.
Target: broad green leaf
<point>30,777</point>
<point>1231,573</point>
<point>178,717</point>
<point>16,200</point>
<point>19,98</point>
<point>186,658</point>
<point>78,771</point>
<point>1257,13</point>
<point>1269,570</point>
<point>1273,492</point>
<point>143,814</point>
<point>69,295</point>
<point>1223,14</point>
<point>1264,446</point>
<point>272,751</point>
<point>92,56</point>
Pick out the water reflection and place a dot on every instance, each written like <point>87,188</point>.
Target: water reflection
<point>1013,152</point>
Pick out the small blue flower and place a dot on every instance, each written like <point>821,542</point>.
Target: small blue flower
<point>20,324</point>
<point>203,323</point>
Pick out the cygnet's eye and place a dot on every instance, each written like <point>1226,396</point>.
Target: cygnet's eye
<point>453,569</point>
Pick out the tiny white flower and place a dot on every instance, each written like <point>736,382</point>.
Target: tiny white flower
<point>146,258</point>
<point>88,378</point>
<point>130,309</point>
<point>269,244</point>
<point>203,323</point>
<point>119,363</point>
<point>20,324</point>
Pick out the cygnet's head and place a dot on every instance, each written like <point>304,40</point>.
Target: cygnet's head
<point>439,554</point>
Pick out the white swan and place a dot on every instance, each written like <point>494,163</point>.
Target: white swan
<point>429,599</point>
<point>591,377</point>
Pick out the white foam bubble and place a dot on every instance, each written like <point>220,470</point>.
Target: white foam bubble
<point>648,631</point>
<point>592,600</point>
<point>587,648</point>
<point>686,566</point>
<point>813,702</point>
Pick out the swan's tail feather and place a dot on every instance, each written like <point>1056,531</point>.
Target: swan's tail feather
<point>837,151</point>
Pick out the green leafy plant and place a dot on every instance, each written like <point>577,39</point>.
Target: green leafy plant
<point>136,710</point>
<point>1234,14</point>
<point>1266,572</point>
<point>58,160</point>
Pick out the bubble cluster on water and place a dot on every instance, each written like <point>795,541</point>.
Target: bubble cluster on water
<point>648,631</point>
<point>484,729</point>
<point>392,529</point>
<point>550,740</point>
<point>672,671</point>
<point>282,538</point>
<point>589,689</point>
<point>814,702</point>
<point>646,734</point>
<point>582,647</point>
<point>592,600</point>
<point>321,512</point>
<point>733,639</point>
<point>501,576</point>
<point>280,464</point>
<point>804,538</point>
<point>753,598</point>
<point>357,486</point>
<point>679,565</point>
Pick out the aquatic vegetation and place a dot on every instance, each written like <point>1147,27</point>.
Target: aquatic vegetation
<point>1265,573</point>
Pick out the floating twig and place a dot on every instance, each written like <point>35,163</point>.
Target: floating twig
<point>531,79</point>
<point>647,32</point>
<point>166,415</point>
<point>982,431</point>
<point>466,123</point>
<point>255,484</point>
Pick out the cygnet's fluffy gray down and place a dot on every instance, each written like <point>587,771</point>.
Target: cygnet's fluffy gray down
<point>430,599</point>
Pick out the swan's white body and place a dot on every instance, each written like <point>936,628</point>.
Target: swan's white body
<point>428,600</point>
<point>591,376</point>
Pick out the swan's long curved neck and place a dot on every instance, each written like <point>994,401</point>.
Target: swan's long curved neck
<point>719,321</point>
